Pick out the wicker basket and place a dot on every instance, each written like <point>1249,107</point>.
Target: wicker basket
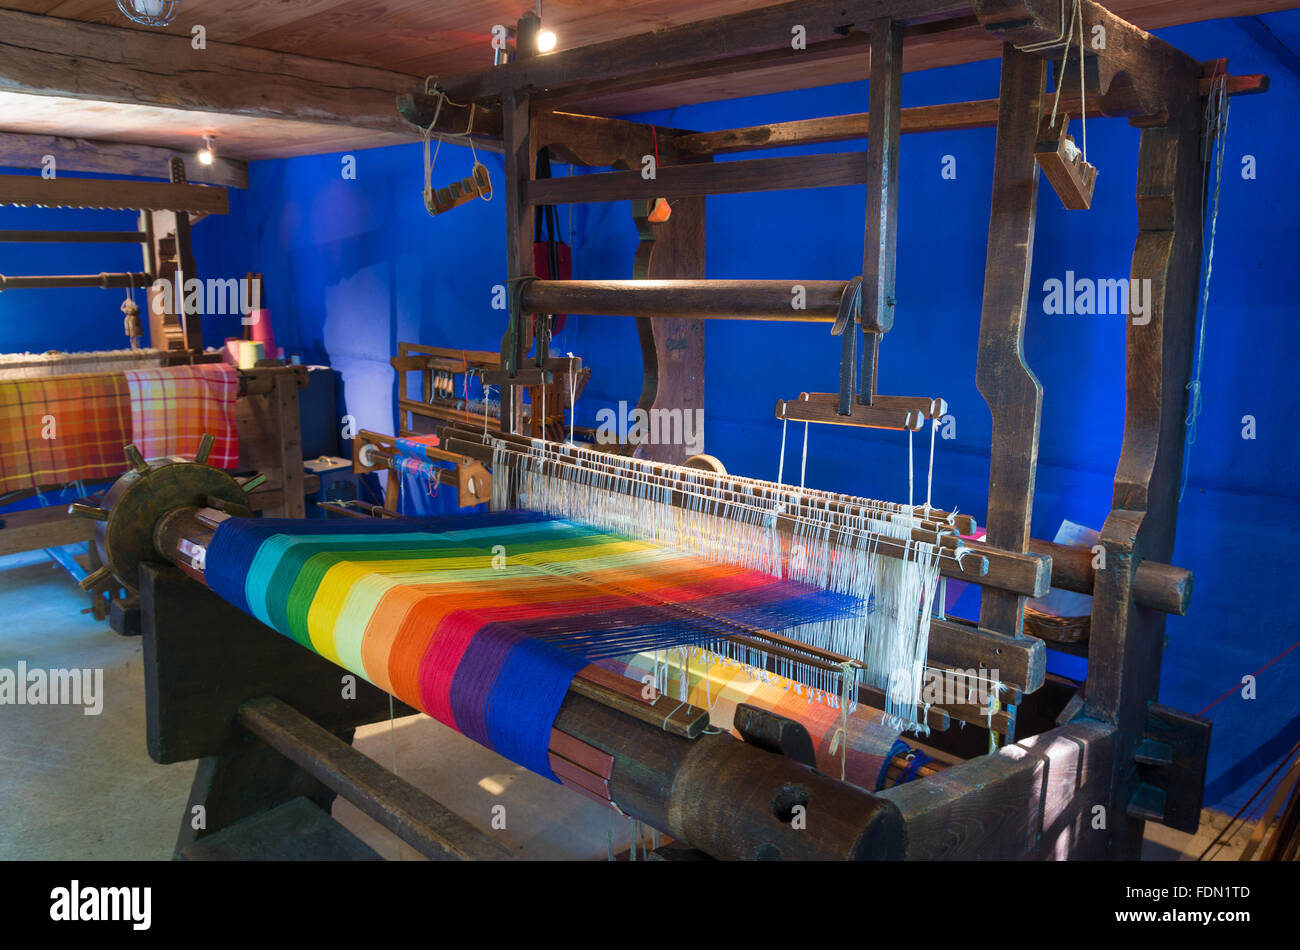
<point>1058,629</point>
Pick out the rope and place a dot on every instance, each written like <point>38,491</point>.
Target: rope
<point>428,133</point>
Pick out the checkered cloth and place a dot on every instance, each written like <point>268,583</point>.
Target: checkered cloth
<point>62,429</point>
<point>173,407</point>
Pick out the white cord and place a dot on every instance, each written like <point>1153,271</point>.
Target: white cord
<point>780,469</point>
<point>803,466</point>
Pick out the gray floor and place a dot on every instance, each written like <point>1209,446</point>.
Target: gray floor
<point>78,787</point>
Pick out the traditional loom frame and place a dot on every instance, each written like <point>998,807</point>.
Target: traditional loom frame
<point>1096,764</point>
<point>167,212</point>
<point>433,362</point>
<point>266,411</point>
<point>1114,747</point>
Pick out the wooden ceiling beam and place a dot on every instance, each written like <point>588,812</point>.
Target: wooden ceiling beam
<point>48,56</point>
<point>25,151</point>
<point>811,62</point>
<point>754,32</point>
<point>33,190</point>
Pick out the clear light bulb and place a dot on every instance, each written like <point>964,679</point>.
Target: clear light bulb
<point>546,41</point>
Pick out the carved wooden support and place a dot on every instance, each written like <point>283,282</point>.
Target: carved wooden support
<point>1128,640</point>
<point>1011,390</point>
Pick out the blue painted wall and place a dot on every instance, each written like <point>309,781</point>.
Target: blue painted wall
<point>354,266</point>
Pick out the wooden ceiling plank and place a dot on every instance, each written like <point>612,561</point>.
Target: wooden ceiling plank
<point>48,56</point>
<point>114,158</point>
<point>451,32</point>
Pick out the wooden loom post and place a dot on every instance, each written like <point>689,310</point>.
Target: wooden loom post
<point>161,317</point>
<point>675,378</point>
<point>1013,393</point>
<point>879,252</point>
<point>672,348</point>
<point>516,109</point>
<point>270,437</point>
<point>1127,640</point>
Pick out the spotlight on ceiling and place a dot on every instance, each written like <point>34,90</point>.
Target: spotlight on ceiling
<point>208,153</point>
<point>150,12</point>
<point>545,38</point>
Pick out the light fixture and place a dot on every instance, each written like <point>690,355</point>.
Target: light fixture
<point>545,38</point>
<point>208,153</point>
<point>150,12</point>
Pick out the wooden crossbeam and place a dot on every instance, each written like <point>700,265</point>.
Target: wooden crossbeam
<point>1131,69</point>
<point>690,299</point>
<point>93,193</point>
<point>19,150</point>
<point>49,56</point>
<point>676,181</point>
<point>753,31</point>
<point>978,114</point>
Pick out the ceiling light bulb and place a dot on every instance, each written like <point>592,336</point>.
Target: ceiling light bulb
<point>207,154</point>
<point>545,41</point>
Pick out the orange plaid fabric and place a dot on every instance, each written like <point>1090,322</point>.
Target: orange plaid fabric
<point>172,407</point>
<point>62,429</point>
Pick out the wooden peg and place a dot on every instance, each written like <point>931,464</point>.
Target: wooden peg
<point>134,458</point>
<point>1063,164</point>
<point>205,448</point>
<point>93,512</point>
<point>92,581</point>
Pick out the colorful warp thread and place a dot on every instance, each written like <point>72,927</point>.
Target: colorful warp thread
<point>481,621</point>
<point>173,407</point>
<point>413,459</point>
<point>62,429</point>
<point>416,446</point>
<point>720,684</point>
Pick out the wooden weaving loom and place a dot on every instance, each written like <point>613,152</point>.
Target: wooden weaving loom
<point>266,413</point>
<point>1075,773</point>
<point>267,406</point>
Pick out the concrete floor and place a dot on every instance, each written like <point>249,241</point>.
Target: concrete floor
<point>78,787</point>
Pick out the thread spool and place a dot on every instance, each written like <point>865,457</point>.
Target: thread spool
<point>250,351</point>
<point>260,330</point>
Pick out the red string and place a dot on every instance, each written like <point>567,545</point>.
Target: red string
<point>1256,673</point>
<point>465,359</point>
